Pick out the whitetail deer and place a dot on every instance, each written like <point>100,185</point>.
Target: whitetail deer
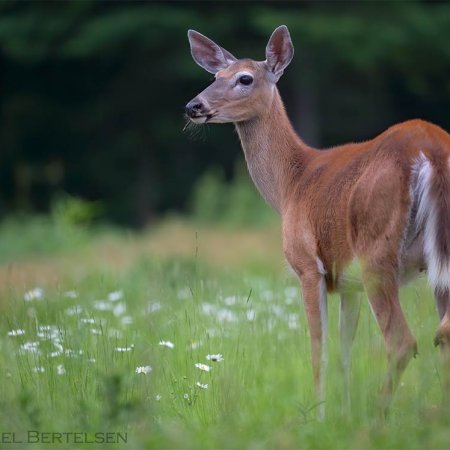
<point>384,203</point>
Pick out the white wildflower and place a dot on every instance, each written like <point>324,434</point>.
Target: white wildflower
<point>124,349</point>
<point>48,332</point>
<point>153,307</point>
<point>115,296</point>
<point>70,353</point>
<point>293,321</point>
<point>226,315</point>
<point>101,305</point>
<point>39,369</point>
<point>230,301</point>
<point>31,347</point>
<point>71,294</point>
<point>60,370</point>
<point>144,369</point>
<point>167,344</point>
<point>18,332</point>
<point>278,311</point>
<point>74,310</point>
<point>127,320</point>
<point>34,294</point>
<point>186,396</point>
<point>158,397</point>
<point>119,309</point>
<point>87,320</point>
<point>58,345</point>
<point>203,367</point>
<point>208,309</point>
<point>202,386</point>
<point>215,358</point>
<point>195,345</point>
<point>251,315</point>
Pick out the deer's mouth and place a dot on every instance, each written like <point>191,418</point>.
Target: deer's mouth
<point>200,119</point>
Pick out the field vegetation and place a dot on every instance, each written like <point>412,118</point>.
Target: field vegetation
<point>190,335</point>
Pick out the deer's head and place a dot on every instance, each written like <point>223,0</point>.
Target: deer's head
<point>243,88</point>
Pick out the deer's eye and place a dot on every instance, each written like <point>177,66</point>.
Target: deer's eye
<point>246,80</point>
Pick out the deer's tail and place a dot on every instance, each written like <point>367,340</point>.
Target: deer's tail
<point>433,217</point>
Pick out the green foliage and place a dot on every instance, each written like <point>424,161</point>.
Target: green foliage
<point>67,227</point>
<point>93,92</point>
<point>72,212</point>
<point>234,203</point>
<point>71,363</point>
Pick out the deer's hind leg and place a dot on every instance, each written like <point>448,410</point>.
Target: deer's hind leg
<point>381,283</point>
<point>349,309</point>
<point>442,338</point>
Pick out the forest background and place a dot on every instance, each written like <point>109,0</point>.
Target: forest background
<point>92,96</point>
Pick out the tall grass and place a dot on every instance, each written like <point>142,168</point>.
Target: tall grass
<point>69,356</point>
<point>91,350</point>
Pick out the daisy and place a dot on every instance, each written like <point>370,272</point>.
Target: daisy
<point>34,294</point>
<point>114,296</point>
<point>31,347</point>
<point>167,344</point>
<point>101,305</point>
<point>119,309</point>
<point>215,358</point>
<point>18,332</point>
<point>203,367</point>
<point>87,320</point>
<point>124,349</point>
<point>127,320</point>
<point>144,369</point>
<point>202,386</point>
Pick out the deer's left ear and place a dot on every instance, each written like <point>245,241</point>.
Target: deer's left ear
<point>208,54</point>
<point>279,51</point>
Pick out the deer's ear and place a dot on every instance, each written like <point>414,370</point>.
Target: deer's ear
<point>208,54</point>
<point>279,51</point>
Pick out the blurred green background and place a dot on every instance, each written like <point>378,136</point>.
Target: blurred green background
<point>92,97</point>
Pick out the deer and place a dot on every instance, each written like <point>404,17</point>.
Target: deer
<point>383,203</point>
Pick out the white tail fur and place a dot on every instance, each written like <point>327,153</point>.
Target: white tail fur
<point>430,217</point>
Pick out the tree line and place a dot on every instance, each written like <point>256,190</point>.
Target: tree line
<point>92,93</point>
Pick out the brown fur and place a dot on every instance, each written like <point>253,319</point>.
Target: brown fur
<point>353,201</point>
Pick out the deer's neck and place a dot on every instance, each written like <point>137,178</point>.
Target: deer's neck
<point>274,153</point>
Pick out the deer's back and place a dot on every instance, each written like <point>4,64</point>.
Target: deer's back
<point>354,200</point>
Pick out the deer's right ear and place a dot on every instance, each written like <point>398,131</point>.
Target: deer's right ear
<point>279,51</point>
<point>207,54</point>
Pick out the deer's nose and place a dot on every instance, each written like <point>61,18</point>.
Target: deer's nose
<point>194,108</point>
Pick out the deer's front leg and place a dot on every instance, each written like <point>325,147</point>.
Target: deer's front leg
<point>348,321</point>
<point>315,299</point>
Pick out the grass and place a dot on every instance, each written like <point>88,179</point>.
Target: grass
<point>109,303</point>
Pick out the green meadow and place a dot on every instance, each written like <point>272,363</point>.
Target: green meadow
<point>189,336</point>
